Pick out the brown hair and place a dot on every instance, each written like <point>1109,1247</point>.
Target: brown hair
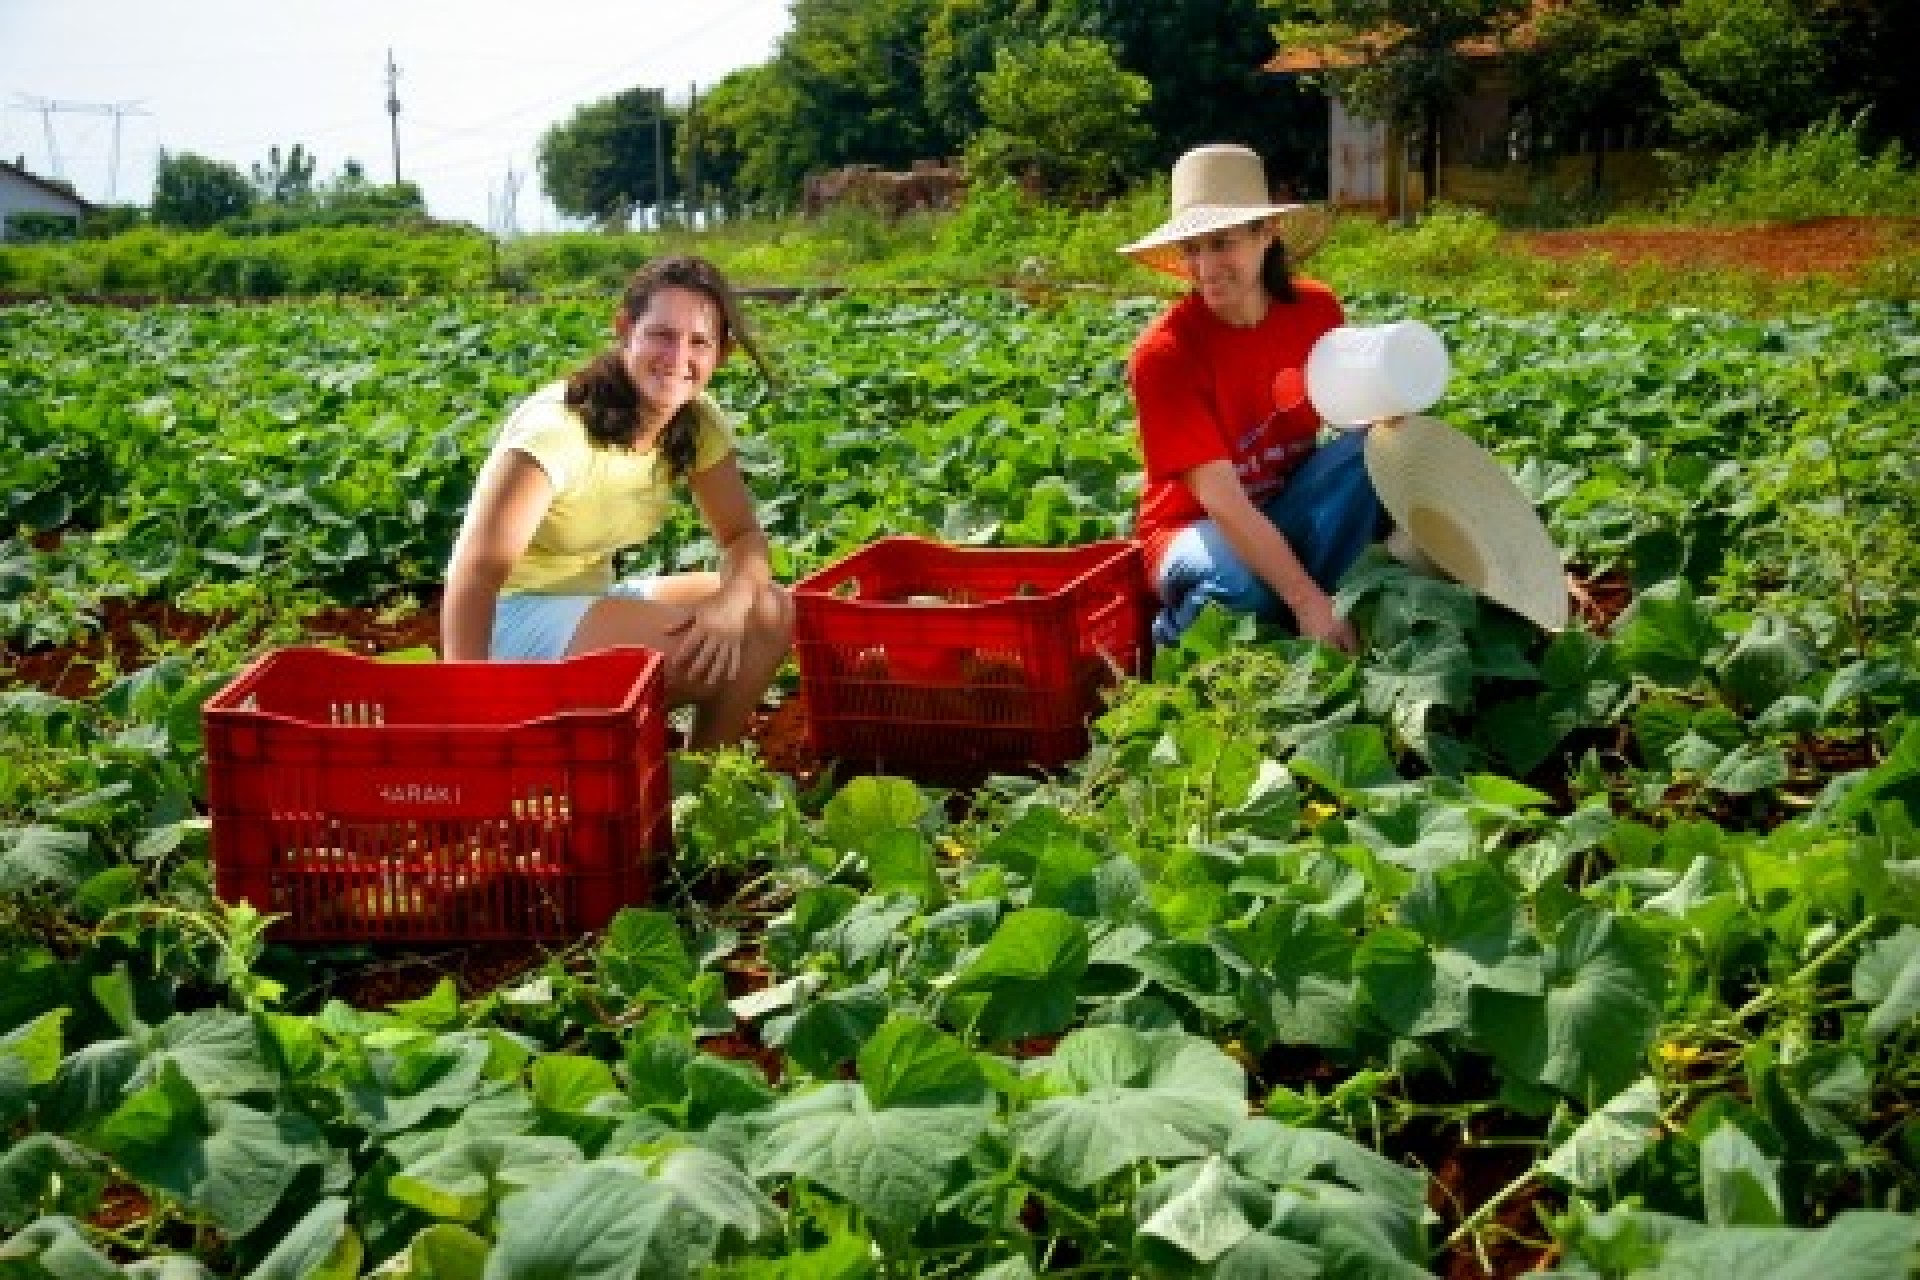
<point>1276,276</point>
<point>606,398</point>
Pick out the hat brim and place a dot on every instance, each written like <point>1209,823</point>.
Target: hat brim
<point>1303,228</point>
<point>1464,513</point>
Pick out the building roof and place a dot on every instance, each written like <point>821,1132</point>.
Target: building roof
<point>60,190</point>
<point>1363,49</point>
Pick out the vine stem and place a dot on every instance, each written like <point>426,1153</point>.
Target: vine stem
<point>1766,999</point>
<point>1475,1220</point>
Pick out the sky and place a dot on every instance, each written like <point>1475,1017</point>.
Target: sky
<point>479,82</point>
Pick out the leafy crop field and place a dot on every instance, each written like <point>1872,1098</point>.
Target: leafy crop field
<point>1477,953</point>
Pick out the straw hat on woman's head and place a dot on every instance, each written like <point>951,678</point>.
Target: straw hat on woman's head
<point>1218,186</point>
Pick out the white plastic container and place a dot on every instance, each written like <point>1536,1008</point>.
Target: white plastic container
<point>1358,374</point>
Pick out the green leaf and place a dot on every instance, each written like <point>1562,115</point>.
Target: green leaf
<point>321,1247</point>
<point>1352,758</point>
<point>1465,936</point>
<point>644,956</point>
<point>592,1222</point>
<point>1748,768</point>
<point>443,1251</point>
<point>398,1089</point>
<point>826,1031</point>
<point>467,1178</point>
<point>217,1050</point>
<point>1204,1217</point>
<point>868,807</point>
<point>1666,634</point>
<point>1301,989</point>
<point>1765,664</point>
<point>902,861</point>
<point>45,858</point>
<point>1887,978</point>
<point>1029,972</point>
<point>1740,1184</point>
<point>892,1163</point>
<point>1122,1096</point>
<point>1057,857</point>
<point>909,1063</point>
<point>1589,1034</point>
<point>1609,1141</point>
<point>42,1174</point>
<point>1419,834</point>
<point>220,1158</point>
<point>54,1249</point>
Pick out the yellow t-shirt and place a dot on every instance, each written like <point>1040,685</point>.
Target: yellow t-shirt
<point>604,499</point>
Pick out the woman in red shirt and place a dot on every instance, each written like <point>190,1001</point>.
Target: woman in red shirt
<point>1240,505</point>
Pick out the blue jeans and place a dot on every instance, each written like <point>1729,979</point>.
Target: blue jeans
<point>1329,514</point>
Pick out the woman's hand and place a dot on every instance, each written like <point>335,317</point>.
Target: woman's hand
<point>708,643</point>
<point>1317,621</point>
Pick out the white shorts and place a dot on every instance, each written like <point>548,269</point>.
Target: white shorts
<point>531,626</point>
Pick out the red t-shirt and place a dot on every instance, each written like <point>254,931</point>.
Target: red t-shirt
<point>1205,390</point>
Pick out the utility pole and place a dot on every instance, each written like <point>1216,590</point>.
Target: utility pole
<point>47,106</point>
<point>659,158</point>
<point>393,110</point>
<point>693,150</point>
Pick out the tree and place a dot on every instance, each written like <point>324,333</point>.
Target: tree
<point>1746,71</point>
<point>285,180</point>
<point>962,38</point>
<point>1204,59</point>
<point>847,81</point>
<point>194,192</point>
<point>1062,117</point>
<point>1594,65</point>
<point>1407,66</point>
<point>737,140</point>
<point>603,161</point>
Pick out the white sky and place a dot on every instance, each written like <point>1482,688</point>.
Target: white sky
<point>480,81</point>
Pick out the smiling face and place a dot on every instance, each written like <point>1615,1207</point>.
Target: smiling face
<point>671,349</point>
<point>1225,268</point>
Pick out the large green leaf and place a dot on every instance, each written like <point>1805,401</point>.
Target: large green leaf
<point>1740,1184</point>
<point>1610,1140</point>
<point>593,1222</point>
<point>1887,977</point>
<point>321,1246</point>
<point>1301,989</point>
<point>1588,1035</point>
<point>42,1174</point>
<point>1121,1096</point>
<point>399,1088</point>
<point>466,1178</point>
<point>892,1163</point>
<point>909,1063</point>
<point>1028,974</point>
<point>221,1158</point>
<point>1666,634</point>
<point>1462,934</point>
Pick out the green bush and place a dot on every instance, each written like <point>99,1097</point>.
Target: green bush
<point>1827,170</point>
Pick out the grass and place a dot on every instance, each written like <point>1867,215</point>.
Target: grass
<point>999,238</point>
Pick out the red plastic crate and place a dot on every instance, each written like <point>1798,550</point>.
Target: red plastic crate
<point>444,801</point>
<point>1005,673</point>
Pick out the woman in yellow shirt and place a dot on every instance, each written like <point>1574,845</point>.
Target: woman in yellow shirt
<point>586,467</point>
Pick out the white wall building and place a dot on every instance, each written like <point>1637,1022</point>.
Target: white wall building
<point>24,193</point>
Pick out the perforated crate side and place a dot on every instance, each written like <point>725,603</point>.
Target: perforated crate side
<point>372,829</point>
<point>1007,681</point>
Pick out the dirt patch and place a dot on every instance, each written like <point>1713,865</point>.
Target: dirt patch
<point>1842,247</point>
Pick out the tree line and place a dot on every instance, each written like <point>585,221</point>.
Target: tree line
<point>1078,99</point>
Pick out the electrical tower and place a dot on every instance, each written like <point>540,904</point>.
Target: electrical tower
<point>504,217</point>
<point>393,110</point>
<point>47,107</point>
